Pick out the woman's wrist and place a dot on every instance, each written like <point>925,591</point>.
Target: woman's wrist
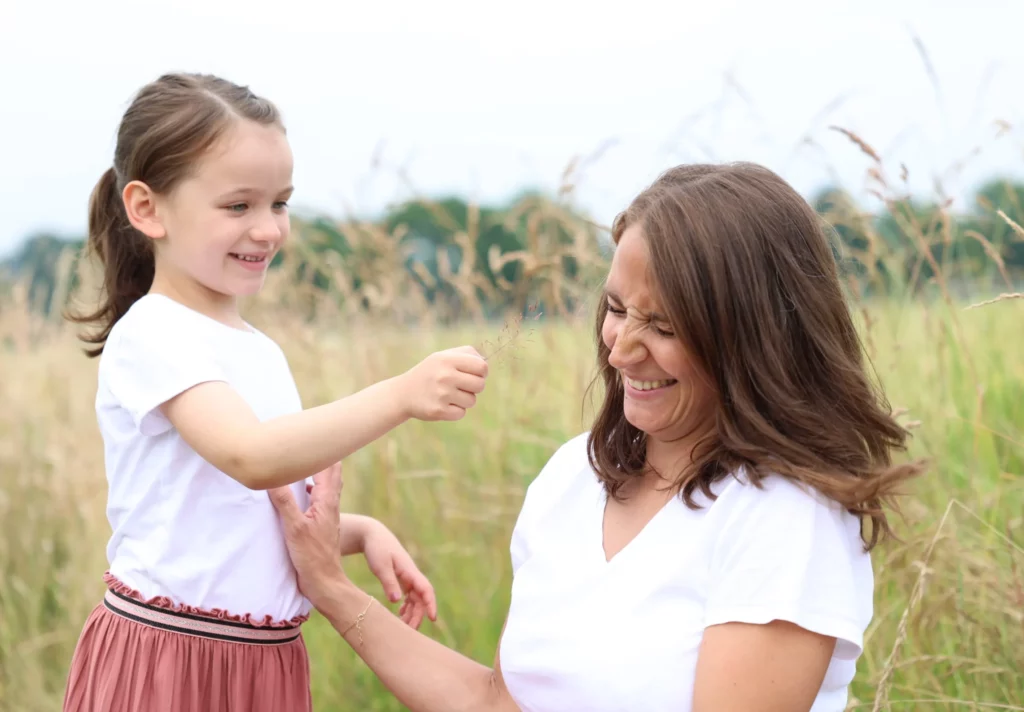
<point>343,603</point>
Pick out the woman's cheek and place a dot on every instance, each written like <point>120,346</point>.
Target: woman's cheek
<point>608,331</point>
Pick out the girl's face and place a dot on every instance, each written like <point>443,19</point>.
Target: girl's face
<point>223,224</point>
<point>664,396</point>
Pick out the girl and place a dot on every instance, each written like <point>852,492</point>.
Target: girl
<point>200,416</point>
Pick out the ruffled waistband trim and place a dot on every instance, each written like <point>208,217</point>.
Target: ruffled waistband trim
<point>117,586</point>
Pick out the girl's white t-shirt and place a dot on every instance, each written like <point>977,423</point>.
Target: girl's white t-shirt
<point>182,528</point>
<point>587,634</point>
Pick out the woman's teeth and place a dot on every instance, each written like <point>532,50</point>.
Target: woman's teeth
<point>650,385</point>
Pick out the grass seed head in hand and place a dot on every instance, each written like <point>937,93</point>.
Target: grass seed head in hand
<point>511,332</point>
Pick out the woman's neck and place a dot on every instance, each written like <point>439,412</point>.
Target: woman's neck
<point>667,459</point>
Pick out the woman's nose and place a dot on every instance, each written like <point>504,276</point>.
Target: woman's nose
<point>628,348</point>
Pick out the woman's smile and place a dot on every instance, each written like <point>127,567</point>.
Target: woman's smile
<point>646,389</point>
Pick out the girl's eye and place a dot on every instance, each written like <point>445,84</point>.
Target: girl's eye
<point>237,207</point>
<point>281,205</point>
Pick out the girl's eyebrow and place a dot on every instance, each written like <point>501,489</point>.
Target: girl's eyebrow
<point>243,191</point>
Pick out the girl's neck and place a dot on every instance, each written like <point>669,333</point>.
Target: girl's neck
<point>195,296</point>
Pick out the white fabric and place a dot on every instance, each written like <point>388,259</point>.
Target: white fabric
<point>586,634</point>
<point>182,528</point>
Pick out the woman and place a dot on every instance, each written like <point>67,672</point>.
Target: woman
<point>706,546</point>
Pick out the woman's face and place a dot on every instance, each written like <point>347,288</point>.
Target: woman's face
<point>664,396</point>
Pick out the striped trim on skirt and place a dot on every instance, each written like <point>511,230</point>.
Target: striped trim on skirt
<point>134,656</point>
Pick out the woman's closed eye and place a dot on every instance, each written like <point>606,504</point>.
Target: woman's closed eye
<point>662,331</point>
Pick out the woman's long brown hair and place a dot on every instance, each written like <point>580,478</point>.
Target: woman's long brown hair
<point>749,282</point>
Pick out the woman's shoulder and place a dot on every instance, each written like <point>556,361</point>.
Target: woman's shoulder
<point>573,450</point>
<point>566,474</point>
<point>781,549</point>
<point>566,464</point>
<point>777,517</point>
<point>778,496</point>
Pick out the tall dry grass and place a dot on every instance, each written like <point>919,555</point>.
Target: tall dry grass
<point>948,632</point>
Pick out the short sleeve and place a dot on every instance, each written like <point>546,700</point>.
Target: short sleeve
<point>546,488</point>
<point>151,362</point>
<point>785,553</point>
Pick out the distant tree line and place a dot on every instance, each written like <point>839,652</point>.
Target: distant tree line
<point>456,259</point>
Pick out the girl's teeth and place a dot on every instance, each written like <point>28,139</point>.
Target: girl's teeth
<point>648,385</point>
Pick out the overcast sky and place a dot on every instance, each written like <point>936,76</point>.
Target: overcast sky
<point>486,97</point>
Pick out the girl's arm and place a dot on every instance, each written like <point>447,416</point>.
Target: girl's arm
<point>354,528</point>
<point>393,566</point>
<point>221,427</point>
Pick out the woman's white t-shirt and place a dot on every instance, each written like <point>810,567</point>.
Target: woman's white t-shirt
<point>182,528</point>
<point>587,634</point>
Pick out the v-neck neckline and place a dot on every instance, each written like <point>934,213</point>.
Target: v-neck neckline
<point>601,509</point>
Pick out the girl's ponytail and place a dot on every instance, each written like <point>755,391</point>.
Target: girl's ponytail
<point>126,255</point>
<point>170,125</point>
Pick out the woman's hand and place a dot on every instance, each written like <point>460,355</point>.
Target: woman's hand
<point>398,574</point>
<point>314,536</point>
<point>388,561</point>
<point>423,674</point>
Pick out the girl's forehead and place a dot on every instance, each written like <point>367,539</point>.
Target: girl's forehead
<point>249,154</point>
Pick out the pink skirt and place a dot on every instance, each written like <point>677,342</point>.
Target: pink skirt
<point>141,656</point>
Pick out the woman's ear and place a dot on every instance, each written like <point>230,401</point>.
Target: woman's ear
<point>140,205</point>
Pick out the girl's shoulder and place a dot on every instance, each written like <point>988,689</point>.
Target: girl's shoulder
<point>158,323</point>
<point>153,318</point>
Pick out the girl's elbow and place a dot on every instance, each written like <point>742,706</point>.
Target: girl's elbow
<point>247,471</point>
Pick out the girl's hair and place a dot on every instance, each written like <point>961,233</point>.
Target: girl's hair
<point>750,284</point>
<point>169,125</point>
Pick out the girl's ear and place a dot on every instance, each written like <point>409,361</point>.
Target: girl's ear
<point>141,208</point>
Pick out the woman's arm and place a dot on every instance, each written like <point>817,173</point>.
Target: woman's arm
<point>423,674</point>
<point>776,667</point>
<point>219,425</point>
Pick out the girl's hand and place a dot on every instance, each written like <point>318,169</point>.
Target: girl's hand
<point>444,385</point>
<point>398,574</point>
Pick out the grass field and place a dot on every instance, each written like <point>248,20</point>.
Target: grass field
<point>949,626</point>
<point>948,633</point>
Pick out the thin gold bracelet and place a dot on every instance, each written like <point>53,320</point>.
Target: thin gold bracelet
<point>359,620</point>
